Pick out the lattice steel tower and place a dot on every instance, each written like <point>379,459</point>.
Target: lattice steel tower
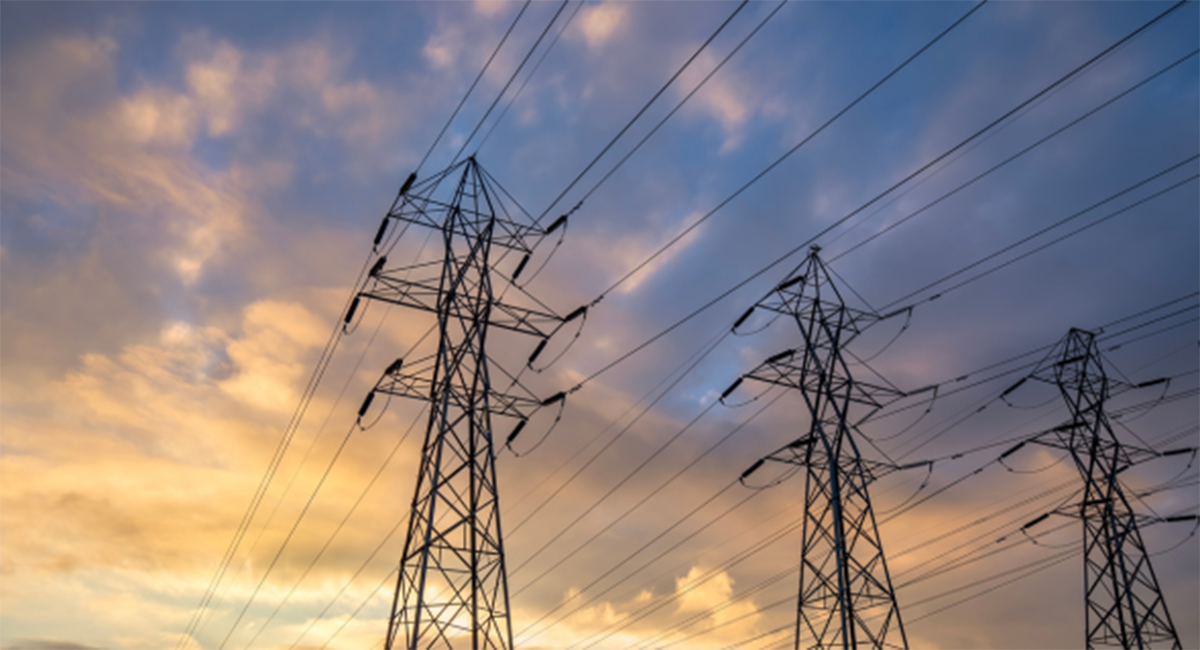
<point>1125,607</point>
<point>452,589</point>
<point>846,598</point>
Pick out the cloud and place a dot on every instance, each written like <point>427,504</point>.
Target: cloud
<point>46,644</point>
<point>600,23</point>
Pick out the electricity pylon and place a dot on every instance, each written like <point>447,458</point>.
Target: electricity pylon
<point>1124,604</point>
<point>452,589</point>
<point>846,599</point>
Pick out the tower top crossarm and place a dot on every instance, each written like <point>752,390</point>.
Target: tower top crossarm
<point>1076,368</point>
<point>485,203</point>
<point>811,285</point>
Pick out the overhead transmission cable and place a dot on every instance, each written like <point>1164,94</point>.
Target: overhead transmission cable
<point>1013,157</point>
<point>1052,226</point>
<point>845,109</point>
<point>511,79</point>
<point>696,224</point>
<point>285,440</point>
<point>644,108</point>
<point>474,83</point>
<point>533,71</point>
<point>310,390</point>
<point>1061,80</point>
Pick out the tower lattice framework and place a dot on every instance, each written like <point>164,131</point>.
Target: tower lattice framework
<point>846,598</point>
<point>1124,604</point>
<point>452,589</point>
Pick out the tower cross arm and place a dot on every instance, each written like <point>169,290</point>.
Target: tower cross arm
<point>424,295</point>
<point>418,384</point>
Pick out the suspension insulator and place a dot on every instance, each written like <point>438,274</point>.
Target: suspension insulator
<point>362,410</point>
<point>788,283</point>
<point>521,266</point>
<point>516,430</point>
<point>1013,387</point>
<point>732,387</point>
<point>753,468</point>
<point>408,183</point>
<point>1152,382</point>
<point>738,323</point>
<point>1014,450</point>
<point>1036,521</point>
<point>353,308</point>
<point>536,351</point>
<point>557,224</point>
<point>800,442</point>
<point>575,314</point>
<point>557,397</point>
<point>378,266</point>
<point>781,356</point>
<point>382,229</point>
<point>394,368</point>
<point>1067,362</point>
<point>1176,452</point>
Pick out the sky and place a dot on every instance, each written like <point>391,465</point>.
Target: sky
<point>189,190</point>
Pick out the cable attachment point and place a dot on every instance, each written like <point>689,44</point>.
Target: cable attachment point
<point>379,233</point>
<point>780,357</point>
<point>753,468</point>
<point>408,183</point>
<point>732,387</point>
<point>513,436</point>
<point>520,267</point>
<point>1037,521</point>
<point>790,283</point>
<point>378,266</point>
<point>536,351</point>
<point>738,323</point>
<point>350,314</point>
<point>558,223</point>
<point>362,410</point>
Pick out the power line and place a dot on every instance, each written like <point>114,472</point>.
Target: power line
<point>638,115</point>
<point>473,84</point>
<point>1013,157</point>
<point>1061,80</point>
<point>553,42</point>
<point>511,78</point>
<point>785,156</point>
<point>1047,229</point>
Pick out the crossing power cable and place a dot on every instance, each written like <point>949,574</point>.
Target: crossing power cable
<point>341,524</point>
<point>1014,157</point>
<point>474,83</point>
<point>337,332</point>
<point>1061,80</point>
<point>587,195</point>
<point>1047,229</point>
<point>533,71</point>
<point>644,108</point>
<point>289,432</point>
<point>641,265</point>
<point>745,186</point>
<point>1041,349</point>
<point>307,395</point>
<point>317,488</point>
<point>511,79</point>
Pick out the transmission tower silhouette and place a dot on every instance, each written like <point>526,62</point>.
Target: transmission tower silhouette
<point>1124,604</point>
<point>846,599</point>
<point>452,588</point>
